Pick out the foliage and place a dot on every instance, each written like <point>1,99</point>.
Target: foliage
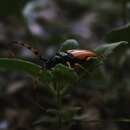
<point>119,34</point>
<point>92,96</point>
<point>59,80</point>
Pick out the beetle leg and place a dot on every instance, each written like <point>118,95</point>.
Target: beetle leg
<point>68,64</point>
<point>89,58</point>
<point>77,65</point>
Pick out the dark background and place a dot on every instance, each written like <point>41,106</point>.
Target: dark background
<point>46,24</point>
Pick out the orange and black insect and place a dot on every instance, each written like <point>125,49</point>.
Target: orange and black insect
<point>69,58</point>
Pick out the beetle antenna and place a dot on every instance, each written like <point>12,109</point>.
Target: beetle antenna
<point>33,50</point>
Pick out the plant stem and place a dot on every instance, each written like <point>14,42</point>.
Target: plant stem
<point>59,104</point>
<point>124,11</point>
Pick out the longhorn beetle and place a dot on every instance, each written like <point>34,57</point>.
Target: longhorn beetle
<point>70,58</point>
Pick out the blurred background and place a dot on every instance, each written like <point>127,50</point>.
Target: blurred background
<point>46,24</point>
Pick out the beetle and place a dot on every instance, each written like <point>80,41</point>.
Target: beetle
<point>70,58</point>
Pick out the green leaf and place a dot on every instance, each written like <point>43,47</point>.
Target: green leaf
<point>123,120</point>
<point>107,49</point>
<point>69,45</point>
<point>64,74</point>
<point>63,78</point>
<point>119,34</point>
<point>24,66</point>
<point>20,65</point>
